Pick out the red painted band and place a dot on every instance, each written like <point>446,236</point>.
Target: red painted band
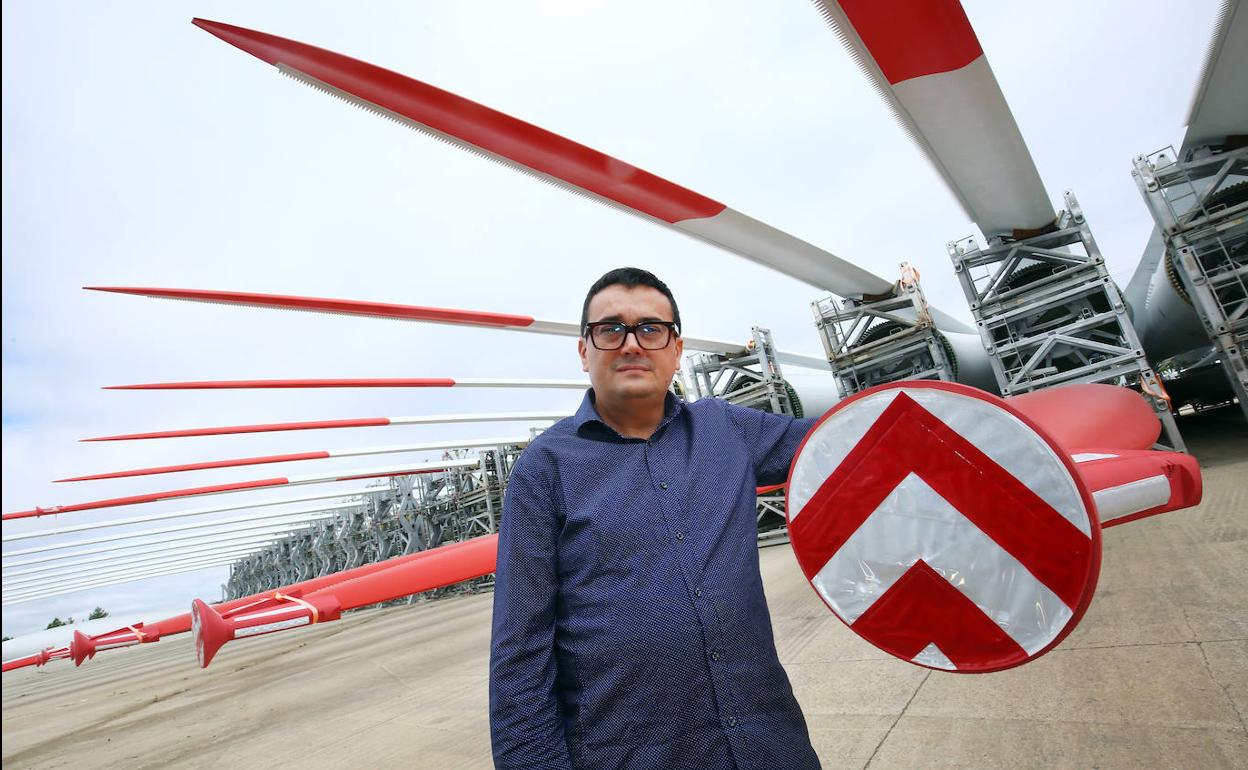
<point>914,441</point>
<point>1091,414</point>
<point>205,465</point>
<point>476,124</point>
<point>328,305</point>
<point>922,608</point>
<point>379,382</point>
<point>148,498</point>
<point>363,422</point>
<point>443,567</point>
<point>913,38</point>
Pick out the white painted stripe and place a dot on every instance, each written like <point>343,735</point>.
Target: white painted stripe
<point>764,244</point>
<point>240,633</point>
<point>932,656</point>
<point>182,514</point>
<point>440,419</point>
<point>275,521</point>
<point>1140,495</point>
<point>963,122</point>
<point>482,382</point>
<point>283,609</point>
<point>691,343</point>
<point>467,443</point>
<point>114,645</point>
<point>1086,457</point>
<point>995,432</point>
<point>1220,102</point>
<point>382,471</point>
<point>913,523</point>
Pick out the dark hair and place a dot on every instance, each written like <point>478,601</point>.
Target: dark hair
<point>629,276</point>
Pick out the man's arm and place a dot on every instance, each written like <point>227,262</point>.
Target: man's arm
<point>524,718</point>
<point>772,439</point>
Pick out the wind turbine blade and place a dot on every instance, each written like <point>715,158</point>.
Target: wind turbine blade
<point>1220,102</point>
<point>262,460</point>
<point>357,382</point>
<point>152,497</point>
<point>442,566</point>
<point>554,159</point>
<point>363,422</point>
<point>315,455</point>
<point>925,60</point>
<point>419,313</point>
<point>337,494</point>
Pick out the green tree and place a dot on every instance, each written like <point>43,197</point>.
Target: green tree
<point>97,613</point>
<point>56,623</point>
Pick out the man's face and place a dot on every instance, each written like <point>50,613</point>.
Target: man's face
<point>630,372</point>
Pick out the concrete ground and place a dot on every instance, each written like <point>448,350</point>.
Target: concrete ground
<point>1155,676</point>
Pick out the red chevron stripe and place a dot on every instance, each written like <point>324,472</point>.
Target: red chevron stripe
<point>922,608</point>
<point>907,438</point>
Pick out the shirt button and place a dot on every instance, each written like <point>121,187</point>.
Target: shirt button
<point>732,721</point>
<point>715,655</point>
<point>680,535</point>
<point>697,592</point>
<point>662,485</point>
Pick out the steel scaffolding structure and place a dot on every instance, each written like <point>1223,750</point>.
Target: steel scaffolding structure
<point>751,379</point>
<point>1048,313</point>
<point>1200,205</point>
<point>413,513</point>
<point>877,340</point>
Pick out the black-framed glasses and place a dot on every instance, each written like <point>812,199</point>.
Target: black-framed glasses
<point>650,335</point>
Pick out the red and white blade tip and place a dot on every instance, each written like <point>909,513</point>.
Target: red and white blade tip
<point>551,158</point>
<point>356,382</point>
<point>927,63</point>
<point>328,305</point>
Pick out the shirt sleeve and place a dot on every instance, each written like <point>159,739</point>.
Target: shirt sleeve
<point>772,440</point>
<point>525,726</point>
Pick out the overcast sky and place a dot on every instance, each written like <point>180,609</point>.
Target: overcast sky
<point>139,150</point>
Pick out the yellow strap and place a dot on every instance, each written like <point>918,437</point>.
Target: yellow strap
<point>311,608</point>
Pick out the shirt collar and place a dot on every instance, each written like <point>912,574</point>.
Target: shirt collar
<point>587,413</point>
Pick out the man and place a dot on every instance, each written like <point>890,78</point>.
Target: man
<point>630,627</point>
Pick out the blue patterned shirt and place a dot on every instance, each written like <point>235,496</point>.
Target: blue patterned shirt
<point>630,627</point>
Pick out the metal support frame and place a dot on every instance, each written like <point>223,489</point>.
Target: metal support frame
<point>872,341</point>
<point>752,378</point>
<point>411,513</point>
<point>1048,313</point>
<point>1206,240</point>
<point>772,523</point>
